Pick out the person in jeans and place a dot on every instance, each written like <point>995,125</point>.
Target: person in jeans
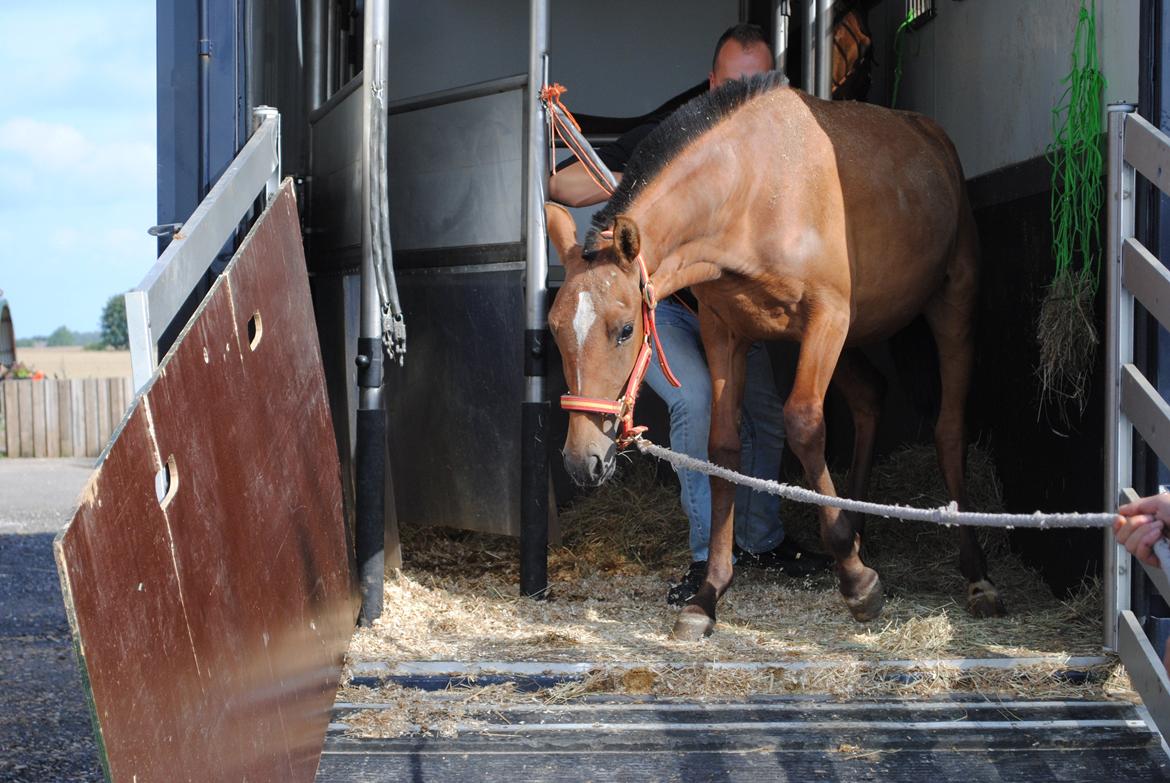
<point>741,51</point>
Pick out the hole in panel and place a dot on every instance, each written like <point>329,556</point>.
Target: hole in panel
<point>255,330</point>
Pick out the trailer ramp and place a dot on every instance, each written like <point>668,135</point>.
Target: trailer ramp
<point>963,738</point>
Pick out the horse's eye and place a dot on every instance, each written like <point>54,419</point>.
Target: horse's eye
<point>627,332</point>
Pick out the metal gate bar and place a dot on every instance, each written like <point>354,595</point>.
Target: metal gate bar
<point>158,299</point>
<point>1132,402</point>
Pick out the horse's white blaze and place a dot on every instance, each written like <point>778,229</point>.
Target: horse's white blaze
<point>582,323</point>
<point>583,320</point>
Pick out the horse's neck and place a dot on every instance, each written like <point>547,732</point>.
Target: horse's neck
<point>680,225</point>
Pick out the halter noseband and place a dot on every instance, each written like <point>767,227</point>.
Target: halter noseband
<point>623,406</point>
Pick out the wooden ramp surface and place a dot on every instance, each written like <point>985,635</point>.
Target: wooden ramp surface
<point>211,616</point>
<point>768,739</point>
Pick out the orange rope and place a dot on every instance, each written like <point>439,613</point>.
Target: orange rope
<point>551,95</point>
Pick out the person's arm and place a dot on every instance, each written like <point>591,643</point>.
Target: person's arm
<point>573,187</point>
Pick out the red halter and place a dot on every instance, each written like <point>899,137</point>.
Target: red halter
<point>623,406</point>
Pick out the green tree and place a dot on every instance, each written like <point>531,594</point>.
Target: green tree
<point>114,331</point>
<point>61,336</point>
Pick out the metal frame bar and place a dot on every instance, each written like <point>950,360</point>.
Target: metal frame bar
<point>153,304</point>
<point>824,49</point>
<point>1146,410</point>
<point>1134,145</point>
<point>535,409</point>
<point>466,92</point>
<point>1146,672</point>
<point>781,18</point>
<point>1118,352</point>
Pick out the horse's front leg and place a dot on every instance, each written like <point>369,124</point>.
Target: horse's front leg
<point>726,359</point>
<point>804,420</point>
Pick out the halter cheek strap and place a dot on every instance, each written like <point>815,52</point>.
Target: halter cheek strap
<point>623,406</point>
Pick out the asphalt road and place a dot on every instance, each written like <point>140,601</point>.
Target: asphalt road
<point>45,729</point>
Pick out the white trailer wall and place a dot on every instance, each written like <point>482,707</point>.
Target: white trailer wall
<point>990,70</point>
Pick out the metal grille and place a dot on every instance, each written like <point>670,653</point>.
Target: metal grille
<point>919,12</point>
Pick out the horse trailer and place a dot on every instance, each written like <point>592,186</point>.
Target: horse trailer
<point>344,343</point>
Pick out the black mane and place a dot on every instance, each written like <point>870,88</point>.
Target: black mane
<point>676,132</point>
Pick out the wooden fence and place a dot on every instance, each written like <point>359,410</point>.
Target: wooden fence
<point>53,418</point>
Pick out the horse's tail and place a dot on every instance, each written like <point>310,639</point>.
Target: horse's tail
<point>915,357</point>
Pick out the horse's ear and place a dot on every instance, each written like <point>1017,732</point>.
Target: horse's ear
<point>562,231</point>
<point>627,241</point>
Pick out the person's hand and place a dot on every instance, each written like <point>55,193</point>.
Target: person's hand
<point>1140,524</point>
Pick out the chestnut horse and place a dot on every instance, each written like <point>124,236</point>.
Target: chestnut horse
<point>791,218</point>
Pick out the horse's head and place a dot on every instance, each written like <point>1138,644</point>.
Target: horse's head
<point>597,323</point>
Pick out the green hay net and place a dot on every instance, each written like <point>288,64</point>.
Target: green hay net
<point>1066,328</point>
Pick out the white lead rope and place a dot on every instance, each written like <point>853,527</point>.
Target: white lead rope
<point>943,515</point>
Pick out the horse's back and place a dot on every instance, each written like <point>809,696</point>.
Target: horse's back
<point>902,204</point>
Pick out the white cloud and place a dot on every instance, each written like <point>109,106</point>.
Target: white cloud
<point>55,146</point>
<point>51,149</point>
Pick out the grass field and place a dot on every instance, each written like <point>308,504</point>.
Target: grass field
<point>75,362</point>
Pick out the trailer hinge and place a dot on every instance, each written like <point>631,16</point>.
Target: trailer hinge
<point>204,47</point>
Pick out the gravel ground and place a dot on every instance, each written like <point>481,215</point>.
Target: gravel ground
<point>45,730</point>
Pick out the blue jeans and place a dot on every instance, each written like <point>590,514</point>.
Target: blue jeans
<point>757,516</point>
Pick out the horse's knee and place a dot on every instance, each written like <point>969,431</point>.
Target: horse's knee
<point>804,423</point>
<point>725,455</point>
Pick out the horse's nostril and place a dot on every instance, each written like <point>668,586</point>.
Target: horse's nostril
<point>596,468</point>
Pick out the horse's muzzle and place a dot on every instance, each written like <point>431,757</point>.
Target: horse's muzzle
<point>591,469</point>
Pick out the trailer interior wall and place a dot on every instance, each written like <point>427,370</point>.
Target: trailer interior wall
<point>991,72</point>
<point>617,59</point>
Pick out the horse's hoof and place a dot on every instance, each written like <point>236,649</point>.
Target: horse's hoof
<point>983,600</point>
<point>866,604</point>
<point>692,625</point>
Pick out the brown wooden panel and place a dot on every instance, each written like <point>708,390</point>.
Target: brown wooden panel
<point>77,402</point>
<point>91,417</point>
<point>40,439</point>
<point>52,420</point>
<point>103,413</point>
<point>65,417</point>
<point>25,412</point>
<point>213,629</point>
<point>11,419</point>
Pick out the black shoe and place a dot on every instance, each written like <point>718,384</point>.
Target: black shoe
<point>788,557</point>
<point>685,590</point>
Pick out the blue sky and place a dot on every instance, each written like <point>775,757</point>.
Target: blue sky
<point>77,157</point>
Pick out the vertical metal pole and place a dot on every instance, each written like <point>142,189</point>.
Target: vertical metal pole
<point>370,446</point>
<point>1118,352</point>
<point>315,33</point>
<point>780,34</point>
<point>330,48</point>
<point>824,48</point>
<point>808,71</point>
<point>260,115</point>
<point>535,411</point>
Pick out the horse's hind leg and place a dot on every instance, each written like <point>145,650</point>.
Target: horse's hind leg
<point>804,422</point>
<point>951,317</point>
<point>864,390</point>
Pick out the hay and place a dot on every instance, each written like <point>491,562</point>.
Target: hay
<point>457,599</point>
<point>634,527</point>
<point>1067,337</point>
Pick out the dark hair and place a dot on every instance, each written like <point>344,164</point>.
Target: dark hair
<point>745,34</point>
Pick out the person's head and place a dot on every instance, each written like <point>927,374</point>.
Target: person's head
<point>742,50</point>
